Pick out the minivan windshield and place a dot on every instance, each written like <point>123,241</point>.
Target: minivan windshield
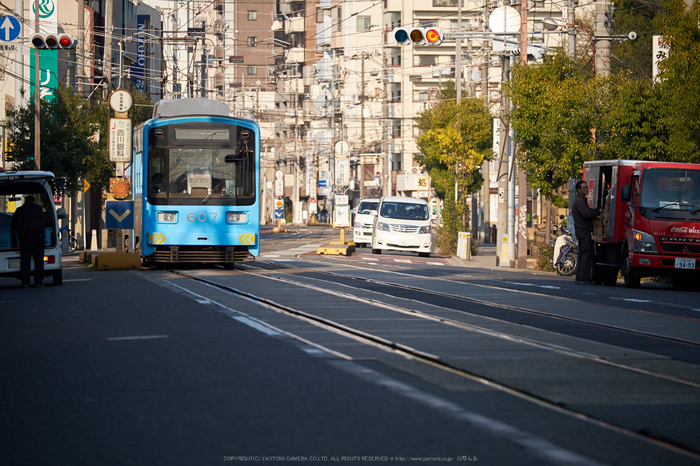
<point>404,211</point>
<point>367,206</point>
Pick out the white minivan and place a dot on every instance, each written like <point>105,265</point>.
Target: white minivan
<point>14,187</point>
<point>364,221</point>
<point>403,224</point>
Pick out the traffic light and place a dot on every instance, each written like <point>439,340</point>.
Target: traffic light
<point>417,36</point>
<point>53,41</point>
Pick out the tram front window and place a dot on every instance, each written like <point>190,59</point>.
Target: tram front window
<point>192,176</point>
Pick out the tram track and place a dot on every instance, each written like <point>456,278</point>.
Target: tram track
<point>540,315</point>
<point>438,362</point>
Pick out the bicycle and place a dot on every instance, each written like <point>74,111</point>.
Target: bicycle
<point>72,241</point>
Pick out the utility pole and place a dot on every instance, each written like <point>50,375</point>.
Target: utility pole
<point>80,47</point>
<point>107,63</point>
<point>522,178</point>
<point>503,173</point>
<point>602,37</point>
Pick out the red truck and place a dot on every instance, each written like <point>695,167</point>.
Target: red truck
<point>650,221</point>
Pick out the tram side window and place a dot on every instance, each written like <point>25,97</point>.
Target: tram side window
<point>157,172</point>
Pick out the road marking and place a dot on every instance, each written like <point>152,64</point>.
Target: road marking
<point>434,263</point>
<point>138,337</point>
<point>536,445</point>
<point>406,261</point>
<point>549,287</point>
<point>632,300</point>
<point>370,259</point>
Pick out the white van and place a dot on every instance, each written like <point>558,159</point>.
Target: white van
<point>403,224</point>
<point>14,187</point>
<point>364,221</point>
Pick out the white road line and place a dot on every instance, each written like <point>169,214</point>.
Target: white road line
<point>139,337</point>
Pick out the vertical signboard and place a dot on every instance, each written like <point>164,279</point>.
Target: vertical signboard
<point>48,62</point>
<point>138,69</point>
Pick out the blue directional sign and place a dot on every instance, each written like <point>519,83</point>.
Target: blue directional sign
<point>279,213</point>
<point>10,28</point>
<point>119,214</point>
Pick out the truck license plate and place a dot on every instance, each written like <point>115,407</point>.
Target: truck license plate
<point>13,264</point>
<point>683,263</point>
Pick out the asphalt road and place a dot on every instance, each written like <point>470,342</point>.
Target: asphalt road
<point>148,367</point>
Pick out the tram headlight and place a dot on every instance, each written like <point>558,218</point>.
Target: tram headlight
<point>236,217</point>
<point>167,217</point>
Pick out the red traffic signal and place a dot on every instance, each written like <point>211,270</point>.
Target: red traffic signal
<point>417,36</point>
<point>52,41</point>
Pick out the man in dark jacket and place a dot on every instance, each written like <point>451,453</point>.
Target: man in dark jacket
<point>28,222</point>
<point>584,217</point>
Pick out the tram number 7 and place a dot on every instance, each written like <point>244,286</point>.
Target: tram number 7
<point>201,216</point>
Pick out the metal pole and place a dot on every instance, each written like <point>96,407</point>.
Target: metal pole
<point>37,94</point>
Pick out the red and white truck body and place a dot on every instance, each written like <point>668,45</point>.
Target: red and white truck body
<point>650,221</point>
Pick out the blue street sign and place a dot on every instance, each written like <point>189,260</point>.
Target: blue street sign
<point>119,214</point>
<point>322,183</point>
<point>9,28</point>
<point>279,214</point>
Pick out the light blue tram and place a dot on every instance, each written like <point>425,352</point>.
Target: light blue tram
<point>196,176</point>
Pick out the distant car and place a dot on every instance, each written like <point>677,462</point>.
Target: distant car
<point>403,224</point>
<point>364,222</point>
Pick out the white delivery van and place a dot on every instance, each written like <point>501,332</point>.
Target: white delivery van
<point>403,224</point>
<point>14,187</point>
<point>364,222</point>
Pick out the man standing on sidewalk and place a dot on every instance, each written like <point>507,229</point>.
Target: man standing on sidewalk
<point>28,222</point>
<point>584,217</point>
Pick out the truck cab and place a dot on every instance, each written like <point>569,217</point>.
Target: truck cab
<point>650,225</point>
<point>14,187</point>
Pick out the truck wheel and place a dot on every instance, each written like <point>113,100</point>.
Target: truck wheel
<point>631,279</point>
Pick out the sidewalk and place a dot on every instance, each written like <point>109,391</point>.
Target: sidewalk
<point>486,258</point>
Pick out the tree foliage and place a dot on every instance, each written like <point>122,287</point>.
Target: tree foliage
<point>679,77</point>
<point>67,143</point>
<point>553,118</point>
<point>74,138</point>
<point>454,141</point>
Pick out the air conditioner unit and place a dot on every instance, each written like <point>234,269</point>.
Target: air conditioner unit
<point>415,169</point>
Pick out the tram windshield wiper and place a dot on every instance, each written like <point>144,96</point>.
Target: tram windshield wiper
<point>206,199</point>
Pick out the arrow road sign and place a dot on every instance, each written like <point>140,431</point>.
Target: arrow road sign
<point>9,28</point>
<point>120,214</point>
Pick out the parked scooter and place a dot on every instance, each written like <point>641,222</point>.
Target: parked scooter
<point>565,255</point>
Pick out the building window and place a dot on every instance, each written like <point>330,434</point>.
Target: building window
<point>210,60</point>
<point>252,70</point>
<point>424,96</point>
<point>427,60</point>
<point>252,15</point>
<point>319,15</point>
<point>445,3</point>
<point>252,41</point>
<point>364,23</point>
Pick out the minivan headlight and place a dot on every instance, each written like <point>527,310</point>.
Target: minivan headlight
<point>425,229</point>
<point>383,226</point>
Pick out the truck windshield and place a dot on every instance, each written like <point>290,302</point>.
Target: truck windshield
<point>670,190</point>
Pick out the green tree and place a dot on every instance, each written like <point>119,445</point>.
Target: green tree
<point>67,140</point>
<point>74,138</point>
<point>679,77</point>
<point>455,140</point>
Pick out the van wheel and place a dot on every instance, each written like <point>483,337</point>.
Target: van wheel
<point>423,254</point>
<point>376,251</point>
<point>58,278</point>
